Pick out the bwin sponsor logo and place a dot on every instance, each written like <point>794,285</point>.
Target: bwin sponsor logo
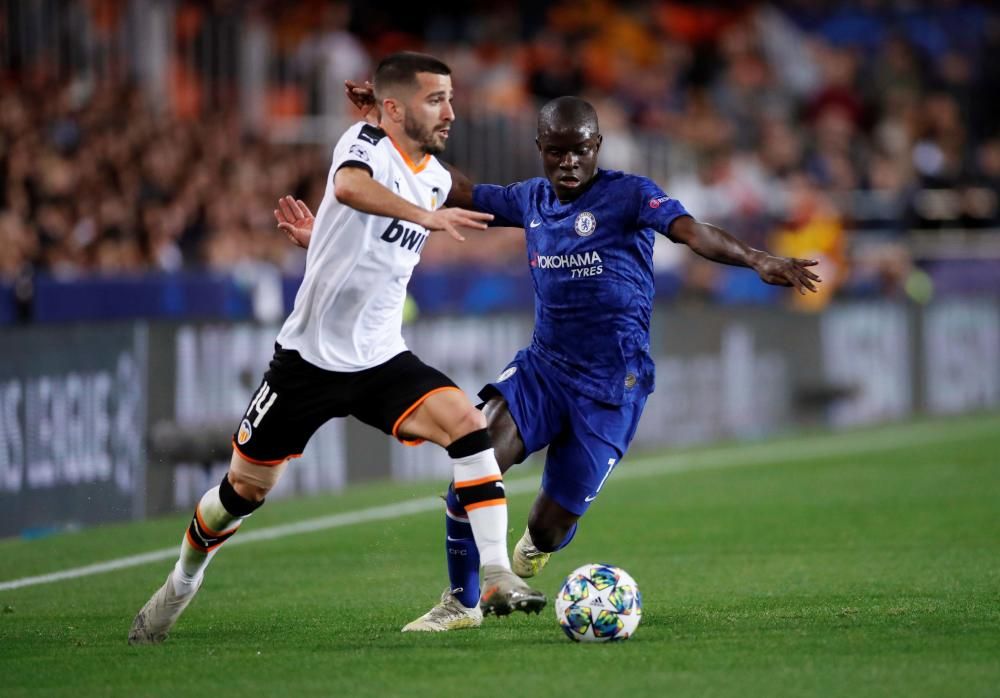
<point>407,237</point>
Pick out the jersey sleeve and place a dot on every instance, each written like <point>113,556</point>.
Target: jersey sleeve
<point>505,203</point>
<point>657,210</point>
<point>357,148</point>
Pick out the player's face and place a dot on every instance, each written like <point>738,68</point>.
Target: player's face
<point>569,158</point>
<point>428,115</point>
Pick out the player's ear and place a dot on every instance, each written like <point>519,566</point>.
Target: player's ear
<point>392,108</point>
<point>600,139</point>
<point>538,144</point>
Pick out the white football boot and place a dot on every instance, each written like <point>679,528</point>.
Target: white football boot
<point>154,620</point>
<point>504,592</point>
<point>527,560</point>
<point>448,614</point>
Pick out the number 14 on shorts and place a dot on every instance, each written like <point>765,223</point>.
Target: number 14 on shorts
<point>261,403</point>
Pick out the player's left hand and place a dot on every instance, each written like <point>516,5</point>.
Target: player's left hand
<point>295,220</point>
<point>451,220</point>
<point>788,271</point>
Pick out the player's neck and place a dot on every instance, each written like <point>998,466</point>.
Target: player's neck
<point>404,144</point>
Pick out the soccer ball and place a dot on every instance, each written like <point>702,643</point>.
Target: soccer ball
<point>599,602</point>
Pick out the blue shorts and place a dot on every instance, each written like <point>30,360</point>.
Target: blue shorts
<point>586,438</point>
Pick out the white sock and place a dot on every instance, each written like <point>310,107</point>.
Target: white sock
<point>183,582</point>
<point>210,527</point>
<point>479,486</point>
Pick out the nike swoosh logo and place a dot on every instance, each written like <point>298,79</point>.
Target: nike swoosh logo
<point>535,223</point>
<point>589,499</point>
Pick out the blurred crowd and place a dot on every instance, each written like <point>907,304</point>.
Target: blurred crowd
<point>793,124</point>
<point>107,187</point>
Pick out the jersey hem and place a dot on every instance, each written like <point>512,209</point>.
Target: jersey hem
<point>263,462</point>
<point>310,358</point>
<point>409,411</point>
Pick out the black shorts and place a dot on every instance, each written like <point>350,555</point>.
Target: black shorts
<point>296,398</point>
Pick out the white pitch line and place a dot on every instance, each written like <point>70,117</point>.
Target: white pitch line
<point>818,447</point>
<point>348,518</point>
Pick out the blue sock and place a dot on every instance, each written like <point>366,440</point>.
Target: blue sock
<point>463,555</point>
<point>569,537</point>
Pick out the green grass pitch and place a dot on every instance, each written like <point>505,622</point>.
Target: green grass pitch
<point>857,564</point>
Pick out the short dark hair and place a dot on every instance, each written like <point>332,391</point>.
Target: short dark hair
<point>564,113</point>
<point>400,70</point>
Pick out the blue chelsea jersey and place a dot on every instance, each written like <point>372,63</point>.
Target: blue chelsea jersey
<point>592,267</point>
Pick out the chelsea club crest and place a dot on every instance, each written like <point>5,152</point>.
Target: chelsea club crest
<point>585,224</point>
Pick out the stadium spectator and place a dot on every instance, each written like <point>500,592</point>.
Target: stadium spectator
<point>814,230</point>
<point>889,111</point>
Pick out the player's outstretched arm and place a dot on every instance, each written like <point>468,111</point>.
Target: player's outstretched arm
<point>716,244</point>
<point>295,220</point>
<point>461,188</point>
<point>355,187</point>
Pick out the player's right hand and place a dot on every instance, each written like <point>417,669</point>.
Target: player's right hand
<point>451,219</point>
<point>363,97</point>
<point>788,271</point>
<point>295,220</point>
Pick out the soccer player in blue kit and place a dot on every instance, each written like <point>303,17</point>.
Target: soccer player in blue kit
<point>580,386</point>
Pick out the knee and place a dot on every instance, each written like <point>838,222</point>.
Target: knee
<point>466,422</point>
<point>253,481</point>
<point>250,490</point>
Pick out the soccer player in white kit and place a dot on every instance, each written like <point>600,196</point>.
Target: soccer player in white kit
<point>341,351</point>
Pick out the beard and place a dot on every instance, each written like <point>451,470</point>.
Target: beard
<point>428,139</point>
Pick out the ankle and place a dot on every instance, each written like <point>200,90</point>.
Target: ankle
<point>185,583</point>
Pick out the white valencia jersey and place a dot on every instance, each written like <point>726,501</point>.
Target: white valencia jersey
<point>348,312</point>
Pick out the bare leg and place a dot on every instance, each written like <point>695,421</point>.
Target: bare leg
<point>507,443</point>
<point>549,523</point>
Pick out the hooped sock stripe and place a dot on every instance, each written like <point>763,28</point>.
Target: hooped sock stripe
<point>206,528</point>
<point>458,529</point>
<point>478,481</point>
<point>487,503</point>
<point>193,543</point>
<point>451,502</point>
<point>206,541</point>
<point>492,489</point>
